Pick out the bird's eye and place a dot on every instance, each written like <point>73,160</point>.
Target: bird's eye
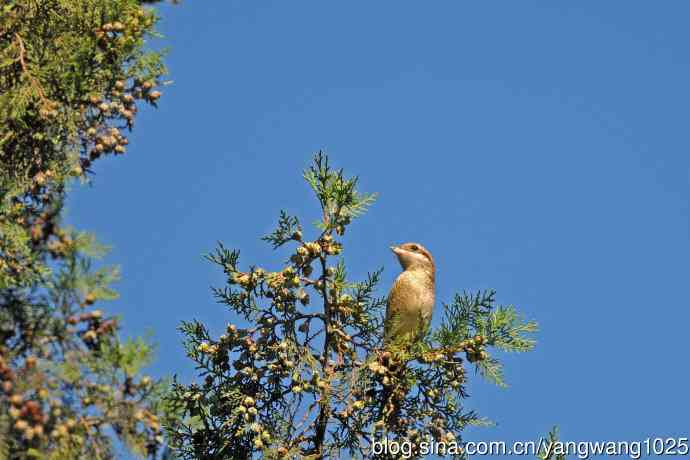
<point>414,247</point>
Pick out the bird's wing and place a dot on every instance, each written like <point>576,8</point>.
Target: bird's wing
<point>395,300</point>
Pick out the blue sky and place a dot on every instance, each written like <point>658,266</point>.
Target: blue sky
<point>538,148</point>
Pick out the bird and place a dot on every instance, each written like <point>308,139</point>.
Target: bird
<point>411,299</point>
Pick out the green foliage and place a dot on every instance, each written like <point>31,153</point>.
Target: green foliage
<point>73,75</point>
<point>130,357</point>
<point>65,374</point>
<point>338,197</point>
<point>305,375</point>
<point>288,228</point>
<point>547,452</point>
<point>470,316</point>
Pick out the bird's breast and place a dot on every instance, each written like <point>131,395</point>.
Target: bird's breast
<point>413,293</point>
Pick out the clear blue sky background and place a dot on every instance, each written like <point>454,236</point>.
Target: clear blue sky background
<point>539,148</point>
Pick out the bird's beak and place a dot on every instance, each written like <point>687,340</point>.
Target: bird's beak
<point>396,250</point>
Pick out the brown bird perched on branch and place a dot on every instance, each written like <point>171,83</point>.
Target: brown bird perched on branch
<point>411,299</point>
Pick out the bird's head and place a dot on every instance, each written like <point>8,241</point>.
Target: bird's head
<point>413,256</point>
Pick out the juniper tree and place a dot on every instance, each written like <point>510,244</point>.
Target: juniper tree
<point>550,451</point>
<point>73,74</point>
<point>302,371</point>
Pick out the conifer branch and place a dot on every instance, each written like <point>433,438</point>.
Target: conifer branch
<point>310,375</point>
